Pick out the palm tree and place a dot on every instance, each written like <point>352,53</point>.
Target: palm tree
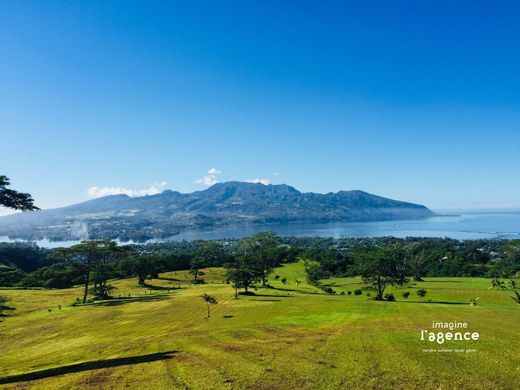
<point>210,300</point>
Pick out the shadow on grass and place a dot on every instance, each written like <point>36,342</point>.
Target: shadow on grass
<point>162,288</point>
<point>271,296</point>
<point>124,300</point>
<point>438,302</point>
<point>87,366</point>
<point>299,291</point>
<point>170,279</point>
<point>440,281</point>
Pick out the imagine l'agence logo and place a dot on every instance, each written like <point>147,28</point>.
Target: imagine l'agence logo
<point>449,331</point>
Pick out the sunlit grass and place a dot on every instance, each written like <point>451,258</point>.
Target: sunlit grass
<point>289,336</point>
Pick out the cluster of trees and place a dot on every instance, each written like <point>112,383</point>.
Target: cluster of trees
<point>249,261</point>
<point>254,258</point>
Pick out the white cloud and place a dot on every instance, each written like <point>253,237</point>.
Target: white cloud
<point>261,181</point>
<point>211,178</point>
<point>207,180</point>
<point>97,192</point>
<point>276,174</point>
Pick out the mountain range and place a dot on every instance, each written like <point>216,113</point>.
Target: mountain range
<point>223,204</point>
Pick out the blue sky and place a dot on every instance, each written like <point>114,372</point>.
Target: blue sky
<point>418,101</point>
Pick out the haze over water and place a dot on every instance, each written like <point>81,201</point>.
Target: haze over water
<point>464,226</point>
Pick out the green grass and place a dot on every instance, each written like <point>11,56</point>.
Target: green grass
<point>286,337</point>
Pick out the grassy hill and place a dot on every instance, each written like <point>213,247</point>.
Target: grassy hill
<point>285,337</point>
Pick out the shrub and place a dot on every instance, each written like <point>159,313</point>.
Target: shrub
<point>389,297</point>
<point>283,280</point>
<point>342,293</point>
<point>349,292</point>
<point>406,294</point>
<point>358,292</point>
<point>328,289</point>
<point>421,292</point>
<point>276,277</point>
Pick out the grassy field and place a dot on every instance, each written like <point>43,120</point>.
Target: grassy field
<point>285,337</point>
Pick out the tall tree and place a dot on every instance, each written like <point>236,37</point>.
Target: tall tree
<point>258,252</point>
<point>93,258</point>
<point>241,276</point>
<point>13,199</point>
<point>380,267</point>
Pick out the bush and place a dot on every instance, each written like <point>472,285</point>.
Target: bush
<point>276,277</point>
<point>389,297</point>
<point>349,292</point>
<point>406,294</point>
<point>328,289</point>
<point>358,292</point>
<point>421,292</point>
<point>283,280</point>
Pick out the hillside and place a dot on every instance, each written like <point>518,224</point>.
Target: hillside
<point>223,204</point>
<point>285,337</point>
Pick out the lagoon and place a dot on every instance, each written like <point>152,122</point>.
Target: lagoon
<point>463,226</point>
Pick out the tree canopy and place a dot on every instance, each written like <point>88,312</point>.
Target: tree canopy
<point>13,199</point>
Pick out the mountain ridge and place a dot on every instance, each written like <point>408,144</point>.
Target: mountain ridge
<point>223,204</point>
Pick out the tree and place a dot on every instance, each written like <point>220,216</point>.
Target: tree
<point>314,271</point>
<point>95,259</point>
<point>144,266</point>
<point>422,292</point>
<point>210,300</point>
<point>380,267</point>
<point>241,276</point>
<point>258,252</point>
<point>208,254</point>
<point>417,262</point>
<point>13,199</point>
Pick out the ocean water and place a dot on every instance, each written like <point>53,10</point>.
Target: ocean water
<point>464,226</point>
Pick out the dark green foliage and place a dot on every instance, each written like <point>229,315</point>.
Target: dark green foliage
<point>59,275</point>
<point>259,253</point>
<point>96,260</point>
<point>358,292</point>
<point>389,297</point>
<point>328,289</point>
<point>241,275</point>
<point>10,276</point>
<point>381,267</point>
<point>26,257</point>
<point>13,199</point>
<point>314,272</point>
<point>349,292</point>
<point>421,292</point>
<point>143,265</point>
<point>405,294</point>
